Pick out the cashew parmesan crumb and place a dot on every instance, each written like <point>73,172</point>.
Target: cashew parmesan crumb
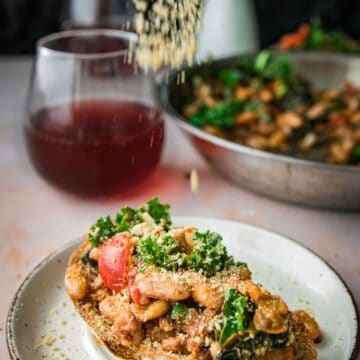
<point>194,180</point>
<point>167,32</point>
<point>49,340</point>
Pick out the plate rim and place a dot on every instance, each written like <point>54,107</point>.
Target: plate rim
<point>10,343</point>
<point>11,312</point>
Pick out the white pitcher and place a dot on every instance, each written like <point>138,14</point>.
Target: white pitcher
<point>229,28</point>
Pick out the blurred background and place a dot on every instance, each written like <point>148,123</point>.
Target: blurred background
<point>22,22</point>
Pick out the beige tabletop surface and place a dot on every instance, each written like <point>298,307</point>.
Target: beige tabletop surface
<point>35,218</point>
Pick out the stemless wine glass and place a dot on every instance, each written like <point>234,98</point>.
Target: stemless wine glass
<point>92,125</point>
<point>87,14</point>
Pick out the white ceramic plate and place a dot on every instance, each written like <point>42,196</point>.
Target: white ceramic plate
<point>43,325</point>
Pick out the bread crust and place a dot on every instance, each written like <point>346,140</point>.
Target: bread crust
<point>89,312</point>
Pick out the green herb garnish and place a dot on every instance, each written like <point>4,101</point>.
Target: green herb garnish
<point>106,227</point>
<point>320,38</point>
<point>230,77</point>
<point>103,229</point>
<point>236,312</point>
<point>157,211</point>
<point>262,61</point>
<point>161,251</point>
<point>317,38</point>
<point>179,312</point>
<point>209,254</point>
<point>222,115</point>
<point>271,67</point>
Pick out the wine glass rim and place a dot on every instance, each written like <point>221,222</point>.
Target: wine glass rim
<point>41,44</point>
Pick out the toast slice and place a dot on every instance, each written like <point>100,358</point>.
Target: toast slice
<point>156,292</point>
<point>88,309</point>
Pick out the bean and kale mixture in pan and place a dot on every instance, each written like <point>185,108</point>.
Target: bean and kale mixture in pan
<point>315,37</point>
<point>265,104</point>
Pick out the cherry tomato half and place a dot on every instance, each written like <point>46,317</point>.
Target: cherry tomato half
<point>113,262</point>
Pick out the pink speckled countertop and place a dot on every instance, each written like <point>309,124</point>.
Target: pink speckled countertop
<point>36,218</point>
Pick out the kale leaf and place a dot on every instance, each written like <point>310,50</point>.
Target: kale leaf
<point>104,228</point>
<point>270,67</point>
<point>317,38</point>
<point>235,311</point>
<point>209,254</point>
<point>179,312</point>
<point>230,77</point>
<point>127,217</point>
<point>157,210</point>
<point>161,252</point>
<point>222,115</point>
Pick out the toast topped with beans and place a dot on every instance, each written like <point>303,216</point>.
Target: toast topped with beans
<point>149,290</point>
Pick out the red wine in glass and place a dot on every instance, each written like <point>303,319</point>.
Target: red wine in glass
<point>103,147</point>
<point>93,125</point>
